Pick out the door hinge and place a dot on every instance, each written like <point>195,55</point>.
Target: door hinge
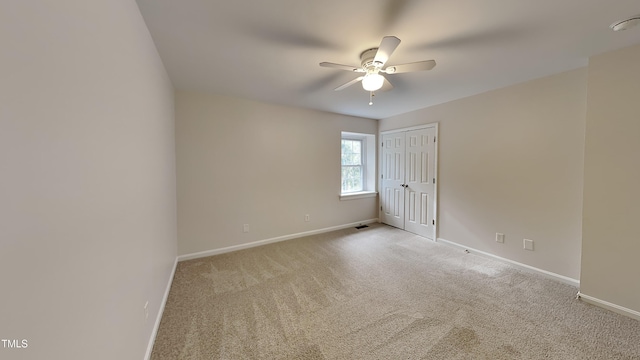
<point>433,221</point>
<point>381,176</point>
<point>435,139</point>
<point>434,180</point>
<point>380,207</point>
<point>382,144</point>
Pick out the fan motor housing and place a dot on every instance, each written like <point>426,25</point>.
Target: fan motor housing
<point>367,56</point>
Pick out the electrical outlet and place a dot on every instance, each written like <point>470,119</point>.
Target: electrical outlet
<point>528,244</point>
<point>245,228</point>
<point>306,217</point>
<point>500,238</point>
<point>146,310</point>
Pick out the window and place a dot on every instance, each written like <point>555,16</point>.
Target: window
<point>352,165</point>
<point>358,158</point>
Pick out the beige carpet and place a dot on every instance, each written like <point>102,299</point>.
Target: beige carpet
<point>379,293</point>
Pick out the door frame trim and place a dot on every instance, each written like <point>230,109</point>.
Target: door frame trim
<point>434,125</point>
<point>411,128</point>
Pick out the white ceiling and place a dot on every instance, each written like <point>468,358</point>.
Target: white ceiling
<point>270,50</point>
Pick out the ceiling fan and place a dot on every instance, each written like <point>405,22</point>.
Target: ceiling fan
<point>372,64</point>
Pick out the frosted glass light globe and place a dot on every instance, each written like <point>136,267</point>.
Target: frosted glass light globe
<point>372,82</point>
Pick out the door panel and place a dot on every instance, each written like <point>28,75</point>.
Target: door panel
<point>420,169</point>
<point>392,177</point>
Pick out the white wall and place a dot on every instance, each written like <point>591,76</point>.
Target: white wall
<point>87,179</point>
<point>245,162</point>
<point>511,161</point>
<point>610,266</point>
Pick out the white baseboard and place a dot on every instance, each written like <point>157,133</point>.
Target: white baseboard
<point>161,311</point>
<point>548,274</point>
<point>212,252</point>
<point>609,306</point>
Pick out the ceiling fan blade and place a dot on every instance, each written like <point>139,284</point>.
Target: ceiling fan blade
<point>321,83</point>
<point>386,48</point>
<point>340,66</point>
<point>281,35</point>
<point>344,86</point>
<point>495,37</point>
<point>386,86</point>
<point>393,11</point>
<point>416,66</point>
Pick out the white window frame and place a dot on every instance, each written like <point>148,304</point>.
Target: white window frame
<point>368,158</point>
<point>362,166</point>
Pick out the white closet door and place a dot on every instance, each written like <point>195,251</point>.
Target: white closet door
<point>408,181</point>
<point>393,167</point>
<point>419,180</point>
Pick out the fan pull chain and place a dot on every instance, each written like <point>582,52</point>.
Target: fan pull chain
<point>371,95</point>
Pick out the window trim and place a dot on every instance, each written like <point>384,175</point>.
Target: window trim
<point>369,166</point>
<point>362,166</point>
<point>358,195</point>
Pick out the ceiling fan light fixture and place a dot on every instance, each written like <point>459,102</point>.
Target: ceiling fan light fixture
<point>372,82</point>
<point>625,24</point>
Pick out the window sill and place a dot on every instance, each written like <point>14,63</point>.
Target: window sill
<point>358,195</point>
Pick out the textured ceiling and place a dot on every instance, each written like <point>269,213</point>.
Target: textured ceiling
<point>270,50</point>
